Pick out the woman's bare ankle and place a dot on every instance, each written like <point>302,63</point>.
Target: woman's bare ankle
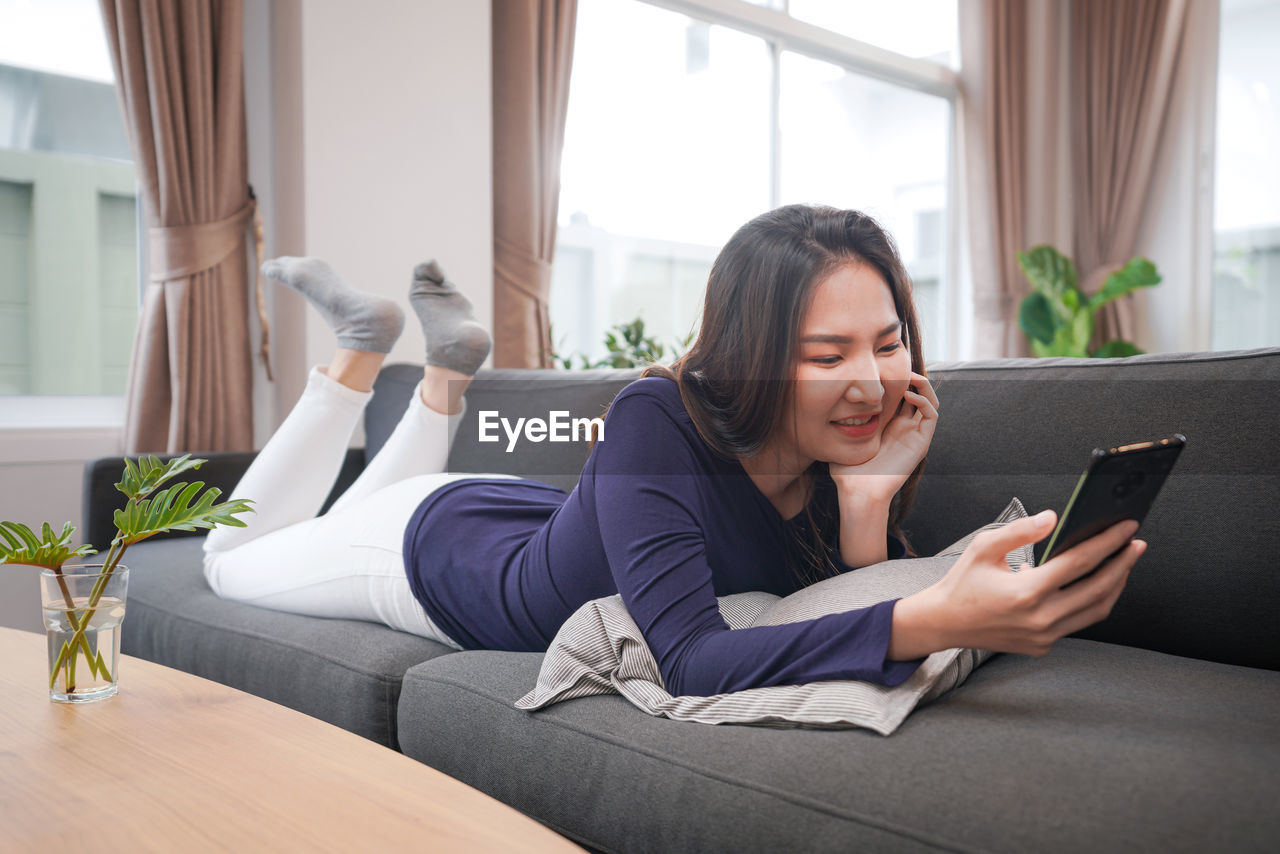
<point>442,389</point>
<point>356,369</point>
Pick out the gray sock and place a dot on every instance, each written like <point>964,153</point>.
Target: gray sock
<point>455,340</point>
<point>362,321</point>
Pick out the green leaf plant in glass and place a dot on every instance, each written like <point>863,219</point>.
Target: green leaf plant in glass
<point>1058,317</point>
<point>84,604</point>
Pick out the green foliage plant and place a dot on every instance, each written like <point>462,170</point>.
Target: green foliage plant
<point>1058,317</point>
<point>628,347</point>
<point>149,510</point>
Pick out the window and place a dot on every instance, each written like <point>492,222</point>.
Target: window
<point>68,206</point>
<point>1246,262</point>
<point>923,29</point>
<point>685,124</point>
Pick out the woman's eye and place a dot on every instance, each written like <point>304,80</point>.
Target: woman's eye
<point>825,360</point>
<point>890,348</point>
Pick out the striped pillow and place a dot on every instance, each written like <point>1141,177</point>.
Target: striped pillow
<point>599,650</point>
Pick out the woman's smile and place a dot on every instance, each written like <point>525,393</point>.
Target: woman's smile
<point>858,427</point>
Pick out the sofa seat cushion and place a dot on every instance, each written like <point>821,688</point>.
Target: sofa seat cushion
<point>345,672</point>
<point>1095,748</point>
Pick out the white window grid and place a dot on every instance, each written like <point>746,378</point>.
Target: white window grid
<point>782,33</point>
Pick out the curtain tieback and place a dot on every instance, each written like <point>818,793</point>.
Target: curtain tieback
<point>181,251</point>
<point>520,270</point>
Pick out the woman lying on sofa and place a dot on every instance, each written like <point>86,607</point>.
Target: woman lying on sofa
<point>783,448</point>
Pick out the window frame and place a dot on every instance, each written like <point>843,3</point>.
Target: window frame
<point>781,32</point>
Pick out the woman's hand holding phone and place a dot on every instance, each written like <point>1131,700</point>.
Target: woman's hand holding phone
<point>980,604</point>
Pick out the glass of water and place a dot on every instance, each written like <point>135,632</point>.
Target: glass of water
<point>83,608</point>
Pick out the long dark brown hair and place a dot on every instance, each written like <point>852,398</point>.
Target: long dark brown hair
<point>735,379</point>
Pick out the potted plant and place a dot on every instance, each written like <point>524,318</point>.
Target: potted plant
<point>85,604</point>
<point>1058,317</point>
<point>628,347</point>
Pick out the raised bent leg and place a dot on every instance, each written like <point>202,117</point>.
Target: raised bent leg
<point>418,446</point>
<point>294,472</point>
<point>348,563</point>
<point>456,346</point>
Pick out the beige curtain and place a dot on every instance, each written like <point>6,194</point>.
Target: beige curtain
<point>1123,60</point>
<point>994,43</point>
<point>179,69</point>
<point>532,54</point>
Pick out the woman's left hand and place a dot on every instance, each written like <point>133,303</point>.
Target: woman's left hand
<point>903,444</point>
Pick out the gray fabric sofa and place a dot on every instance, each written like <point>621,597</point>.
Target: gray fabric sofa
<point>1156,730</point>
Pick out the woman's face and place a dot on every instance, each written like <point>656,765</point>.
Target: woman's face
<point>852,364</point>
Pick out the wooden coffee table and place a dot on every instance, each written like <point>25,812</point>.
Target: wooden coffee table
<point>179,763</point>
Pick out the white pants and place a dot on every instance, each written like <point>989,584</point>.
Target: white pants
<point>347,563</point>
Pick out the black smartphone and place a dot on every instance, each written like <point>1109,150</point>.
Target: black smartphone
<point>1119,483</point>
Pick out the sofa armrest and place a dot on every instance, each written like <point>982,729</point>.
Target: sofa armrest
<point>101,499</point>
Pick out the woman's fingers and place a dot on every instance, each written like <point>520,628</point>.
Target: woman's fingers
<point>1094,596</point>
<point>921,383</point>
<point>994,545</point>
<point>1098,608</point>
<point>922,404</point>
<point>1082,558</point>
<point>1028,612</point>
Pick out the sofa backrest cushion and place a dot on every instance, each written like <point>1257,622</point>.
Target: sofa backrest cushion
<point>511,394</point>
<point>1208,586</point>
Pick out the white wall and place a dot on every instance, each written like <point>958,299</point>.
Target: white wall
<point>377,155</point>
<point>397,168</point>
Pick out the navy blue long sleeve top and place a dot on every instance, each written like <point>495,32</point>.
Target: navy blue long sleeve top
<point>658,517</point>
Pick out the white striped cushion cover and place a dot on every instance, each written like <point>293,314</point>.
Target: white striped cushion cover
<point>599,650</point>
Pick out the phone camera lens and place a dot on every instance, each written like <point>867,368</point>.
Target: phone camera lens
<point>1130,482</point>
